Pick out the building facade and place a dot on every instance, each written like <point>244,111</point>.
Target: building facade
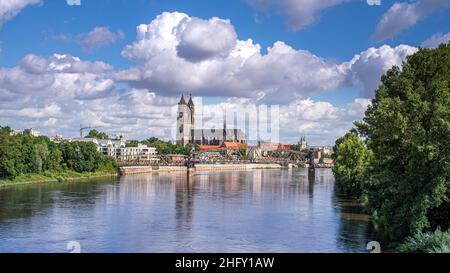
<point>140,153</point>
<point>31,132</point>
<point>112,148</point>
<point>188,134</point>
<point>118,150</point>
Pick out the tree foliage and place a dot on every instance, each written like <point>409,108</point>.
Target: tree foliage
<point>97,134</point>
<point>23,154</point>
<point>407,127</point>
<point>429,242</point>
<point>351,164</point>
<point>165,147</point>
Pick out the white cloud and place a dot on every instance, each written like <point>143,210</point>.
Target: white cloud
<point>403,15</point>
<point>320,121</point>
<point>300,13</point>
<point>63,96</point>
<point>281,75</point>
<point>95,39</point>
<point>58,93</point>
<point>61,92</point>
<point>368,66</point>
<point>201,40</point>
<point>10,8</point>
<point>59,76</point>
<point>435,40</point>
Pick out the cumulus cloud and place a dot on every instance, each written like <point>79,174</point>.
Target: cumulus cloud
<point>95,39</point>
<point>240,69</point>
<point>321,121</point>
<point>201,40</point>
<point>300,13</point>
<point>403,15</point>
<point>10,8</point>
<point>435,40</point>
<point>60,92</point>
<point>368,66</point>
<point>59,76</point>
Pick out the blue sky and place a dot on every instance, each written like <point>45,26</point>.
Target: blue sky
<point>337,33</point>
<point>341,31</point>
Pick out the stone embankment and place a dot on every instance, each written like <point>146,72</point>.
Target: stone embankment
<point>199,167</point>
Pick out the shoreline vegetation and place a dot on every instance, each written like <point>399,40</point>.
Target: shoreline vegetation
<point>51,177</point>
<point>397,159</point>
<point>26,159</point>
<point>48,177</point>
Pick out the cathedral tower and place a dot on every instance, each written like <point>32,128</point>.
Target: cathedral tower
<point>184,122</point>
<point>192,109</point>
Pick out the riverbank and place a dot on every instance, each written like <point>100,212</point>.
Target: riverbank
<point>54,177</point>
<point>131,170</point>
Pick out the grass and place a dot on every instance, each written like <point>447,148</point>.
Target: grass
<point>52,177</point>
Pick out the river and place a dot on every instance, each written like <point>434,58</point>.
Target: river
<point>245,211</point>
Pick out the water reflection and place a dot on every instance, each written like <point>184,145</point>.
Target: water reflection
<point>184,201</point>
<point>248,211</point>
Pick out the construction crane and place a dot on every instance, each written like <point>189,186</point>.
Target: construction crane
<point>86,128</point>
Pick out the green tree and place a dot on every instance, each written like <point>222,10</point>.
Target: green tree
<point>351,164</point>
<point>23,154</point>
<point>407,127</point>
<point>97,134</point>
<point>9,154</point>
<point>132,143</point>
<point>54,160</point>
<point>41,150</point>
<point>166,147</point>
<point>340,140</point>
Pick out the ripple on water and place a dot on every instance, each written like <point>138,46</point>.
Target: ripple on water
<point>247,211</point>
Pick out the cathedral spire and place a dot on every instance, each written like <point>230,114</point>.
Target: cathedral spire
<point>191,102</point>
<point>182,100</point>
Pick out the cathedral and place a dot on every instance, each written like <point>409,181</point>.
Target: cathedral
<point>188,134</point>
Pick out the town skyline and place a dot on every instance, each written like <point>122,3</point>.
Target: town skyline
<point>124,69</point>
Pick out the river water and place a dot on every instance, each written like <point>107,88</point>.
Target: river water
<point>247,211</point>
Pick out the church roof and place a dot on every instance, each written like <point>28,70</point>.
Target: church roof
<point>190,103</point>
<point>182,100</point>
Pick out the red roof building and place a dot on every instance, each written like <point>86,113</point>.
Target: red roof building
<point>234,145</point>
<point>285,147</point>
<point>209,147</point>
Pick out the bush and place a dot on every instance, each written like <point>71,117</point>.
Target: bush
<point>430,242</point>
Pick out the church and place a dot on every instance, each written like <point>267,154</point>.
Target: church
<point>188,134</point>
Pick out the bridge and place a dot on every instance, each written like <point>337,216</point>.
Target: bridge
<point>284,158</point>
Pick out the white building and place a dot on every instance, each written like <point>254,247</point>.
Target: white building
<point>57,138</point>
<point>118,149</point>
<point>139,153</point>
<point>107,147</point>
<point>16,132</point>
<point>31,132</point>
